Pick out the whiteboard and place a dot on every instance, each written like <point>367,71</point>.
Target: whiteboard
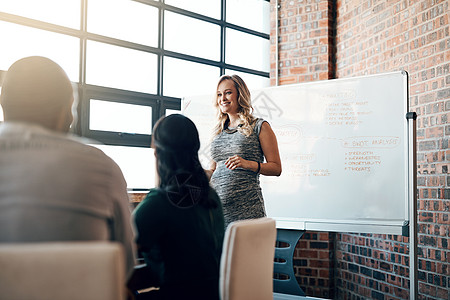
<point>344,150</point>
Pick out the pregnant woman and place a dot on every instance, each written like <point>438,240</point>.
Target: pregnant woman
<point>239,147</point>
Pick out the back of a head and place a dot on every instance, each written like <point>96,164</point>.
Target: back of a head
<point>37,90</point>
<point>176,133</point>
<point>176,142</point>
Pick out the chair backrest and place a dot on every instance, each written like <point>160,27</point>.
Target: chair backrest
<point>284,280</point>
<point>62,270</point>
<point>246,268</point>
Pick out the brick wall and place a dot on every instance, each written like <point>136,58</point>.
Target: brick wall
<point>314,264</point>
<point>136,198</point>
<point>321,39</point>
<point>306,47</point>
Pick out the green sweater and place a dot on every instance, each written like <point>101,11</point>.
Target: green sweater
<point>182,246</point>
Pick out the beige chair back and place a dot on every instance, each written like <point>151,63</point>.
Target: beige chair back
<point>66,270</point>
<point>246,270</point>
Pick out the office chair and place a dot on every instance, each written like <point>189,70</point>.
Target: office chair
<point>246,268</point>
<point>62,270</point>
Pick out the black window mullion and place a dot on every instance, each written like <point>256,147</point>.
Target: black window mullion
<point>121,138</point>
<point>223,6</point>
<point>79,88</point>
<point>160,83</point>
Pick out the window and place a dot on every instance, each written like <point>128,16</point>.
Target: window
<point>64,13</point>
<point>210,8</point>
<point>191,36</point>
<point>133,61</point>
<point>19,41</point>
<point>120,117</point>
<point>124,20</point>
<point>121,68</point>
<point>131,160</point>
<point>247,50</point>
<point>182,77</point>
<point>237,13</point>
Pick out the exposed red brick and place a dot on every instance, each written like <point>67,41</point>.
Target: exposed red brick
<point>373,37</point>
<point>298,70</point>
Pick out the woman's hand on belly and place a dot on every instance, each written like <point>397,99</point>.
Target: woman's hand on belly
<point>236,161</point>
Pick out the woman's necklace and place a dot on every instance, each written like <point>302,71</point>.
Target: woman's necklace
<point>232,129</point>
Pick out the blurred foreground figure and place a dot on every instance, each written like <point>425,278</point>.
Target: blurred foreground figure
<point>52,186</point>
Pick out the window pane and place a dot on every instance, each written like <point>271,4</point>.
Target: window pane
<point>184,78</point>
<point>253,81</point>
<point>21,41</point>
<point>65,13</point>
<point>246,50</point>
<point>259,19</point>
<point>210,8</point>
<point>172,111</point>
<point>121,68</point>
<point>137,164</point>
<point>120,117</point>
<point>191,36</point>
<point>123,19</point>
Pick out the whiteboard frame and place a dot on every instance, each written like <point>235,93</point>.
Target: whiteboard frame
<point>398,227</point>
<point>363,226</point>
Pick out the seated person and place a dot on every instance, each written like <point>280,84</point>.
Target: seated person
<point>52,186</point>
<point>180,225</point>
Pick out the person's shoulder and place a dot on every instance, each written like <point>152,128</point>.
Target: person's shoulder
<point>155,194</point>
<point>154,197</point>
<point>80,139</point>
<point>38,137</point>
<point>83,143</point>
<point>258,124</point>
<point>151,204</point>
<point>257,121</point>
<point>260,121</point>
<point>88,148</point>
<point>68,141</point>
<point>85,156</point>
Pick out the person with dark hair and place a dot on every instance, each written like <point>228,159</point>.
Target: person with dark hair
<point>180,225</point>
<point>54,187</point>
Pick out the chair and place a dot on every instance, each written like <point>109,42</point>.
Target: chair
<point>246,268</point>
<point>62,270</point>
<point>283,266</point>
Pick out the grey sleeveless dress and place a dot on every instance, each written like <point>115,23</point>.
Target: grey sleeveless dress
<point>239,189</point>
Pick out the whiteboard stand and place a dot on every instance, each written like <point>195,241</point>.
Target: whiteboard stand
<point>285,282</point>
<point>413,282</point>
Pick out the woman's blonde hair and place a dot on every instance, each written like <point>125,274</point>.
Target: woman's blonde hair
<point>245,107</point>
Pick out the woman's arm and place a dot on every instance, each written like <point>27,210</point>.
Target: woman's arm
<point>211,170</point>
<point>269,146</point>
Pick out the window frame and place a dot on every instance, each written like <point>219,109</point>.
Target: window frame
<point>158,101</point>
